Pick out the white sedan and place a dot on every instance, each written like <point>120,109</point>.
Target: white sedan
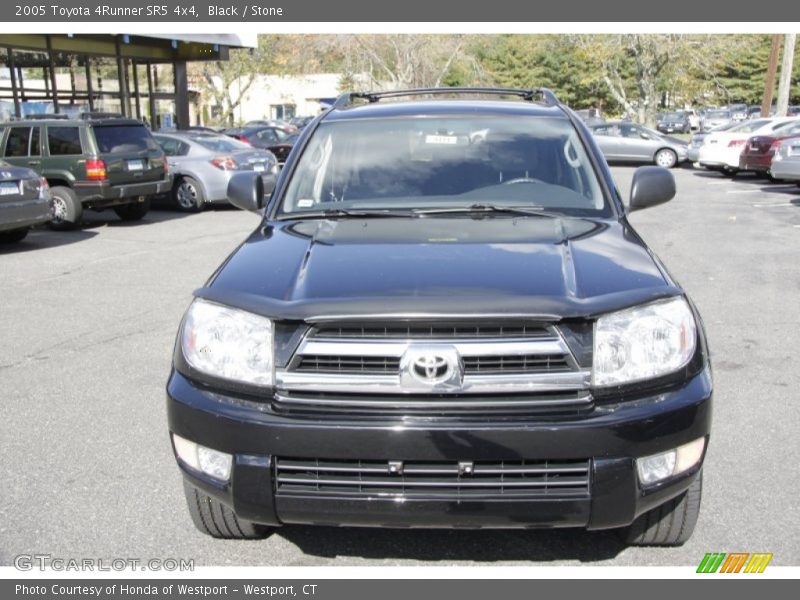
<point>721,149</point>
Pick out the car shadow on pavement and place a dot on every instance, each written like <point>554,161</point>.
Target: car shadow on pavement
<point>93,219</point>
<point>783,188</point>
<point>42,238</point>
<point>490,545</point>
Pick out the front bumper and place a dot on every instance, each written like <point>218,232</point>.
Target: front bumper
<point>611,437</point>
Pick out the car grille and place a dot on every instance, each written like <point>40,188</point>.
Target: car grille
<point>526,363</point>
<point>314,363</point>
<point>491,367</point>
<point>433,479</point>
<point>451,332</point>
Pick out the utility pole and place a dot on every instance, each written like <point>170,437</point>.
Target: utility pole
<point>786,74</point>
<point>772,69</point>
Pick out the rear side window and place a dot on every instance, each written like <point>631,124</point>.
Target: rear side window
<point>123,138</point>
<point>64,141</point>
<point>36,149</point>
<point>17,143</point>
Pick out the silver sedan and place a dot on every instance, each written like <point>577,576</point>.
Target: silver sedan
<point>786,161</point>
<point>629,142</point>
<point>201,165</point>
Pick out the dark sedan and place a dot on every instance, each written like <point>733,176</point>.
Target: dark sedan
<point>24,202</point>
<point>278,140</point>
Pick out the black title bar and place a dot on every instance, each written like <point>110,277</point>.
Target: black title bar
<point>441,11</point>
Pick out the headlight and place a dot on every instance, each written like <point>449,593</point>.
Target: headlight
<point>228,343</point>
<point>643,342</point>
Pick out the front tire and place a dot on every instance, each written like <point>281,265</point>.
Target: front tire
<point>213,518</point>
<point>188,195</point>
<point>67,208</point>
<point>666,158</point>
<point>670,524</point>
<point>134,211</point>
<point>14,236</point>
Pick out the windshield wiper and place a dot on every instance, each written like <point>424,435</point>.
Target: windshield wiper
<point>490,208</point>
<point>339,213</point>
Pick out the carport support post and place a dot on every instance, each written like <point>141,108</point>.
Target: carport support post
<point>772,70</point>
<point>181,95</point>
<point>123,87</point>
<point>52,63</point>
<point>12,69</point>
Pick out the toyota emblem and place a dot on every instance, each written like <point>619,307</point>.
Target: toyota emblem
<point>431,367</point>
<point>426,367</point>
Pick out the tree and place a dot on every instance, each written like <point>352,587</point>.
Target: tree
<point>227,82</point>
<point>397,61</point>
<point>553,61</point>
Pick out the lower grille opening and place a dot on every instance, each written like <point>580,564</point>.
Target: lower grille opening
<point>429,479</point>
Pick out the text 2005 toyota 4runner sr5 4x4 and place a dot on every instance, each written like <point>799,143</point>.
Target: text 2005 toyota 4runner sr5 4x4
<point>444,319</point>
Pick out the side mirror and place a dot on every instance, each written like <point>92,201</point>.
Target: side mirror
<point>651,186</point>
<point>247,190</point>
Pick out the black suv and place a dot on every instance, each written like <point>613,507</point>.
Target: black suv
<point>443,319</point>
<point>91,163</point>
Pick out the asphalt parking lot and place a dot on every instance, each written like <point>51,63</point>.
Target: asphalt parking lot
<point>88,320</point>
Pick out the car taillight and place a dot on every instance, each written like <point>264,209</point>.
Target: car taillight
<point>166,167</point>
<point>735,143</point>
<point>44,187</point>
<point>95,169</point>
<point>244,139</point>
<point>226,163</point>
<point>773,147</point>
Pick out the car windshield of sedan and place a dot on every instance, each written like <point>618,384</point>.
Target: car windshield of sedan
<point>674,116</point>
<point>423,163</point>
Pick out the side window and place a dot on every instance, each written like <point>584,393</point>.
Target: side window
<point>36,147</point>
<point>169,146</point>
<point>17,142</point>
<point>629,131</point>
<point>606,130</point>
<point>64,141</point>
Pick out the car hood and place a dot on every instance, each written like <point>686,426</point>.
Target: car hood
<point>553,268</point>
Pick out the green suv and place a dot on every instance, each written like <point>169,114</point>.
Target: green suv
<point>94,163</point>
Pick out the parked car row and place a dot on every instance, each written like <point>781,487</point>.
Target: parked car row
<point>748,146</point>
<point>54,169</point>
<point>768,147</point>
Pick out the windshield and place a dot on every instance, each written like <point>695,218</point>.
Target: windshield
<point>220,143</point>
<point>425,163</point>
<point>718,114</point>
<point>674,116</point>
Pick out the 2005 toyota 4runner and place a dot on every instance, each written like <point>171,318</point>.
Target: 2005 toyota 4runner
<point>443,319</point>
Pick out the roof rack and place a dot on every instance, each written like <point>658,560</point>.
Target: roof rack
<point>532,95</point>
<point>44,117</point>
